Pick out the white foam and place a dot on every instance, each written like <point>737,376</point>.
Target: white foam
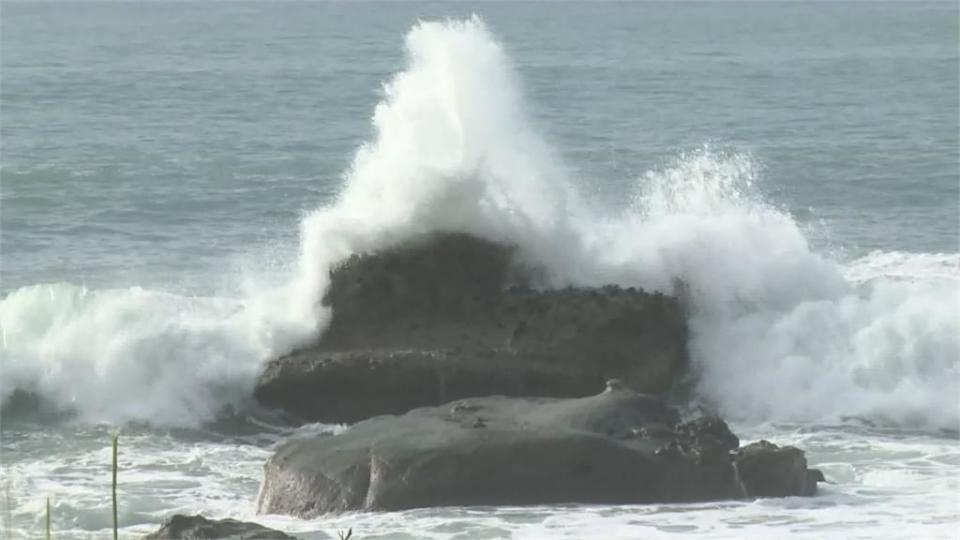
<point>453,151</point>
<point>133,354</point>
<point>902,266</point>
<point>779,331</point>
<point>887,478</point>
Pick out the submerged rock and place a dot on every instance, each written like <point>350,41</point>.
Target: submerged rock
<point>452,317</point>
<point>198,527</point>
<point>617,447</point>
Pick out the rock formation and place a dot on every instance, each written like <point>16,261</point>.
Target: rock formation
<point>618,447</point>
<point>767,470</point>
<point>453,317</point>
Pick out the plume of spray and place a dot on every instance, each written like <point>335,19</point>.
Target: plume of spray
<point>453,151</point>
<point>778,331</point>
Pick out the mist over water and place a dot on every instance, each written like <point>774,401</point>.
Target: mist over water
<point>791,326</point>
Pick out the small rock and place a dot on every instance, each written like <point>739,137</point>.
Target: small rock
<point>198,527</point>
<point>768,470</point>
<point>709,433</point>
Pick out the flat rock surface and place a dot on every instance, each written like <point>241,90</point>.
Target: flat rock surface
<point>617,447</point>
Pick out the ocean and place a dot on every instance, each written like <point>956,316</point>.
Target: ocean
<point>176,179</point>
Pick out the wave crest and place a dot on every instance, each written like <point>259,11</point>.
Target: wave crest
<point>778,330</point>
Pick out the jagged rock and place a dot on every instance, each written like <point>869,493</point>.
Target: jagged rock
<point>768,470</point>
<point>508,451</point>
<point>198,527</point>
<point>453,317</point>
<point>708,432</point>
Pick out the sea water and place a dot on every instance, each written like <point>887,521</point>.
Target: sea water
<point>177,178</point>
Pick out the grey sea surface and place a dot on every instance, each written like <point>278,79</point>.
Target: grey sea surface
<point>797,162</point>
<point>143,141</point>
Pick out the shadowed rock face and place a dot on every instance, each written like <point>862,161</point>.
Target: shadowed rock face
<point>617,447</point>
<point>767,470</point>
<point>198,527</point>
<point>452,317</point>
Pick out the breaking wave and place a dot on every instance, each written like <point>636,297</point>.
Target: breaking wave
<point>778,330</point>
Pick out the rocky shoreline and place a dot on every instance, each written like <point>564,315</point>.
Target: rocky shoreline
<point>467,385</point>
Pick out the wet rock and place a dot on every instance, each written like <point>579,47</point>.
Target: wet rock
<point>708,432</point>
<point>453,317</point>
<point>349,386</point>
<point>198,527</point>
<point>528,451</point>
<point>768,470</point>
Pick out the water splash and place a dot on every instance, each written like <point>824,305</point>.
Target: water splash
<point>778,331</point>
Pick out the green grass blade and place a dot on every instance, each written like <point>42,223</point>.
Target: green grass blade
<point>116,438</point>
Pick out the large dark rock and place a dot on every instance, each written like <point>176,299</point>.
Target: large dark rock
<point>768,470</point>
<point>198,527</point>
<point>454,317</point>
<point>615,447</point>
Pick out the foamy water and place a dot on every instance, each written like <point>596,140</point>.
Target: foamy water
<point>854,359</point>
<point>875,477</point>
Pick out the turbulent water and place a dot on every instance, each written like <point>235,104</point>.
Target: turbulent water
<point>177,179</point>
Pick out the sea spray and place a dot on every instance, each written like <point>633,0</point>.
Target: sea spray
<point>131,354</point>
<point>778,330</point>
<point>453,151</point>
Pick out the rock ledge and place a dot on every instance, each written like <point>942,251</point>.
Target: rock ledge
<point>452,317</point>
